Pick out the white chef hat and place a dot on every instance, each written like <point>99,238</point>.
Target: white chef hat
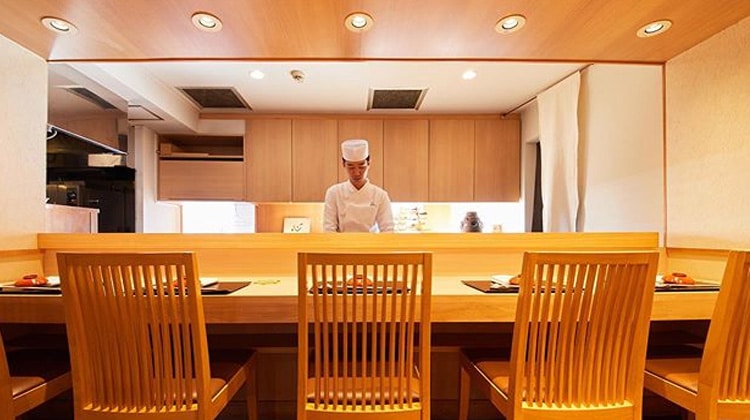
<point>355,150</point>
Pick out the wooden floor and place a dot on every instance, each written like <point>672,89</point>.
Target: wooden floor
<point>61,409</point>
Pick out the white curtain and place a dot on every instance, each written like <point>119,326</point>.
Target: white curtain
<point>558,138</point>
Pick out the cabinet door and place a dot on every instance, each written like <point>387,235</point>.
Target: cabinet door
<point>405,158</point>
<point>497,172</point>
<point>372,131</point>
<point>201,180</point>
<point>315,158</point>
<point>268,157</point>
<point>451,176</point>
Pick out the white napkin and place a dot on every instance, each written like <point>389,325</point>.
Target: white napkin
<point>502,279</point>
<point>208,281</point>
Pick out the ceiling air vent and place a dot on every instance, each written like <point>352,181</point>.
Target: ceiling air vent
<point>90,96</point>
<point>396,98</point>
<point>215,98</point>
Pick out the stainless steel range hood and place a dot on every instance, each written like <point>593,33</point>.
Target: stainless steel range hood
<point>61,141</point>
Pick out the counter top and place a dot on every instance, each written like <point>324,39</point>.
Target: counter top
<point>264,303</point>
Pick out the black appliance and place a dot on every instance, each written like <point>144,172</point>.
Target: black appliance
<point>109,189</point>
<point>70,181</point>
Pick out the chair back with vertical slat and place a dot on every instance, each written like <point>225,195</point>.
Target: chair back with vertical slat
<point>364,335</point>
<point>724,379</point>
<point>581,330</point>
<point>136,333</point>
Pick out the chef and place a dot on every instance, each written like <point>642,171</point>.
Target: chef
<point>357,205</point>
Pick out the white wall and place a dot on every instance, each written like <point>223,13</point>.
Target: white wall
<point>708,142</point>
<point>23,128</point>
<point>621,149</point>
<point>150,216</point>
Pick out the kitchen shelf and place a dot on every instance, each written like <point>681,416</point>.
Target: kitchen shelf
<point>198,156</point>
<point>201,148</point>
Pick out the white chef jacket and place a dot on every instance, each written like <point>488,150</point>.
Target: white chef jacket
<point>348,209</point>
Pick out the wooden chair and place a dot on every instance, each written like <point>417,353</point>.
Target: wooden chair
<point>579,340</point>
<point>718,384</point>
<point>137,340</point>
<point>368,350</point>
<point>29,378</point>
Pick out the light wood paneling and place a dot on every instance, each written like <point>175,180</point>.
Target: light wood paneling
<point>605,29</point>
<point>268,157</point>
<point>405,155</point>
<point>451,160</point>
<point>201,180</point>
<point>372,131</point>
<point>273,254</point>
<point>699,263</point>
<point>497,161</point>
<point>315,158</point>
<point>15,263</point>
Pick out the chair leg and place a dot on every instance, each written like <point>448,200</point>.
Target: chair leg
<point>463,399</point>
<point>251,393</point>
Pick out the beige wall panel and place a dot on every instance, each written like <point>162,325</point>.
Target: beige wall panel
<point>708,182</point>
<point>315,158</point>
<point>406,151</point>
<point>151,215</point>
<point>23,119</point>
<point>497,162</point>
<point>372,131</point>
<point>268,160</point>
<point>451,160</point>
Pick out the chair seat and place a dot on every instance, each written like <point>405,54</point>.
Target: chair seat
<point>357,389</point>
<point>498,371</point>
<point>682,372</point>
<point>32,368</point>
<point>225,364</point>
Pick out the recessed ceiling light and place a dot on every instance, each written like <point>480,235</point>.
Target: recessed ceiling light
<point>358,22</point>
<point>59,26</point>
<point>654,28</point>
<point>206,22</point>
<point>469,74</point>
<point>257,74</point>
<point>510,24</point>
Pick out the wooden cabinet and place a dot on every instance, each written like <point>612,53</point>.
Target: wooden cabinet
<point>497,161</point>
<point>370,130</point>
<point>451,160</point>
<point>405,159</point>
<point>315,158</point>
<point>268,160</point>
<point>201,168</point>
<point>201,180</point>
<point>296,159</point>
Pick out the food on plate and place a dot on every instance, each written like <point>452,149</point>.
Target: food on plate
<point>677,278</point>
<point>30,280</point>
<point>359,281</point>
<point>181,282</point>
<point>515,280</point>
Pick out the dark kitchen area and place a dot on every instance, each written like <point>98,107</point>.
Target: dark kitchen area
<point>82,172</point>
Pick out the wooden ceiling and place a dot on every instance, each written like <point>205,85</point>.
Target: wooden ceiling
<point>558,30</point>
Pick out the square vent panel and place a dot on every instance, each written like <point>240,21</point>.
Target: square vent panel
<point>215,98</point>
<point>396,98</point>
<point>90,96</point>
